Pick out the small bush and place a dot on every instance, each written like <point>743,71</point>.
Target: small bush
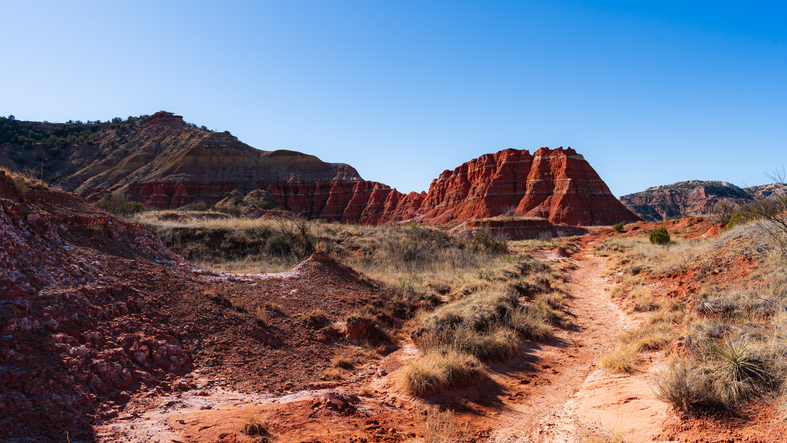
<point>618,227</point>
<point>485,239</point>
<point>685,383</point>
<point>733,377</point>
<point>253,425</point>
<point>343,361</point>
<point>116,203</point>
<point>332,374</point>
<point>621,359</point>
<point>315,318</point>
<point>660,236</point>
<point>438,426</point>
<point>278,245</point>
<point>530,324</point>
<point>442,369</point>
<point>275,309</point>
<point>741,375</point>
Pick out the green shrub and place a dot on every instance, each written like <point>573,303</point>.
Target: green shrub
<point>618,227</point>
<point>660,236</point>
<point>485,239</point>
<point>278,245</point>
<point>116,203</point>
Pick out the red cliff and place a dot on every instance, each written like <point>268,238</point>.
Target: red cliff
<point>558,185</point>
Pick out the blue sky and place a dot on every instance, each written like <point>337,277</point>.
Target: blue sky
<point>649,92</point>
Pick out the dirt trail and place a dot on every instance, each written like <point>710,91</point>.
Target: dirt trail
<point>555,391</point>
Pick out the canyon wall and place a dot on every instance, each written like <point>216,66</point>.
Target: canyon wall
<point>166,164</point>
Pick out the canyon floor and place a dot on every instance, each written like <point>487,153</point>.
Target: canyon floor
<point>551,391</point>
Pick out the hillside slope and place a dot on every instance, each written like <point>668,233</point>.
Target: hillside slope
<point>694,197</point>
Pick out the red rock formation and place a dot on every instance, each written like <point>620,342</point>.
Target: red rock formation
<point>166,164</point>
<point>563,188</point>
<point>558,185</point>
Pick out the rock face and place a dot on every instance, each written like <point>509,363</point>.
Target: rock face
<point>557,185</point>
<point>165,164</point>
<point>685,198</point>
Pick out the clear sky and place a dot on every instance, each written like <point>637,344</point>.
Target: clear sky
<point>650,92</point>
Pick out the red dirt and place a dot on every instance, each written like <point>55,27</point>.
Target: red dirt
<point>96,310</point>
<point>109,336</point>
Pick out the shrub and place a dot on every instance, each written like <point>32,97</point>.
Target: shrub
<point>343,361</point>
<point>660,236</point>
<point>315,318</point>
<point>740,376</point>
<point>252,425</point>
<point>485,239</point>
<point>230,210</point>
<point>332,374</point>
<point>731,376</point>
<point>116,203</point>
<point>621,359</point>
<point>441,369</point>
<point>263,205</point>
<point>685,383</point>
<point>438,426</point>
<point>278,245</point>
<point>618,227</point>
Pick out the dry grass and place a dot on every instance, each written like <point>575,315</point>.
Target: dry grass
<point>252,425</point>
<point>499,298</point>
<point>355,355</point>
<point>622,358</point>
<point>734,338</point>
<point>438,426</point>
<point>24,181</point>
<point>440,369</point>
<point>315,318</point>
<point>605,436</point>
<point>332,374</point>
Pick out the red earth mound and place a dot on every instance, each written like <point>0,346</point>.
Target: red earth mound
<point>516,229</point>
<point>96,310</point>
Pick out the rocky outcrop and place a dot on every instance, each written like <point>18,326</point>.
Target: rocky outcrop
<point>73,334</point>
<point>516,228</point>
<point>685,198</point>
<point>555,184</point>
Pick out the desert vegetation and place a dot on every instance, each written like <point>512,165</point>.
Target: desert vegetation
<point>473,300</point>
<point>717,311</point>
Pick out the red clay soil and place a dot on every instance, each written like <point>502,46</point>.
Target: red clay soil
<point>96,310</point>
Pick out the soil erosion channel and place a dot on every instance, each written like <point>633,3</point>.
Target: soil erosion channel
<point>555,392</point>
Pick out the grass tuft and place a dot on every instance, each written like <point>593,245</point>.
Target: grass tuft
<point>441,369</point>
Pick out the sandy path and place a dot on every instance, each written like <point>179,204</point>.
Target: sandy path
<point>556,393</point>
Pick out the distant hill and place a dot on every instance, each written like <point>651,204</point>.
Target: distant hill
<point>93,158</point>
<point>695,197</point>
<point>166,163</point>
